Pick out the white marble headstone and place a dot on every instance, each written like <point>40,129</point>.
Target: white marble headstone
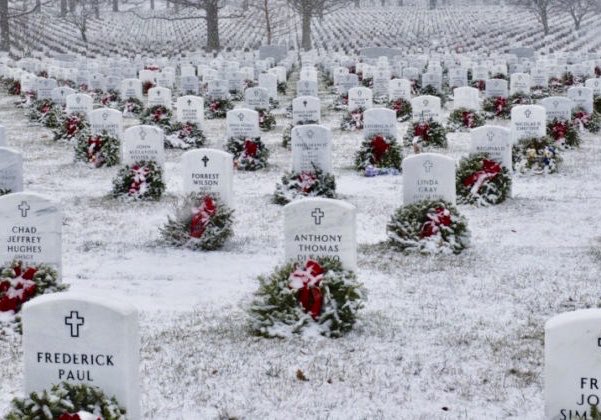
<point>242,123</point>
<point>190,109</point>
<point>131,88</point>
<point>466,97</point>
<point>496,88</point>
<point>494,140</point>
<point>399,89</point>
<point>269,82</point>
<point>428,176</point>
<point>306,108</point>
<point>256,98</point>
<point>380,121</point>
<point>307,88</point>
<point>209,171</point>
<point>106,119</point>
<point>143,143</point>
<point>159,96</point>
<point>359,97</point>
<point>582,97</point>
<point>528,121</point>
<point>426,107</point>
<point>11,170</point>
<point>558,108</point>
<point>3,139</point>
<point>311,145</point>
<point>79,103</point>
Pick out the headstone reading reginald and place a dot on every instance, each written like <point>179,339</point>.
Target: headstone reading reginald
<point>496,141</point>
<point>428,176</point>
<point>209,171</point>
<point>82,339</point>
<point>320,227</point>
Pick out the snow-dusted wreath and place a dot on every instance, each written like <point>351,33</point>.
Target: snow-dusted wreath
<point>353,120</point>
<point>536,155</point>
<point>184,136</point>
<point>597,104</point>
<point>218,108</point>
<point>109,99</point>
<point>564,133</point>
<point>482,181</point>
<point>429,227</point>
<point>98,150</point>
<point>66,401</point>
<point>131,107</point>
<point>297,185</point>
<point>250,154</point>
<point>463,120</point>
<point>586,121</point>
<point>496,107</point>
<point>71,127</point>
<point>201,222</point>
<point>402,107</point>
<point>380,152</point>
<point>140,181</point>
<point>317,296</point>
<point>424,135</point>
<point>157,115</point>
<point>45,112</point>
<point>266,120</point>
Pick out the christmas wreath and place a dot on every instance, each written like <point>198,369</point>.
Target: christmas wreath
<point>218,108</point>
<point>520,99</point>
<point>367,82</point>
<point>140,181</point>
<point>66,401</point>
<point>250,154</point>
<point>317,296</point>
<point>248,83</point>
<point>146,86</point>
<point>564,133</point>
<point>556,87</point>
<point>266,120</point>
<point>426,134</point>
<point>14,87</point>
<point>98,150</point>
<point>19,283</point>
<point>71,127</point>
<point>568,79</point>
<point>479,84</point>
<point>536,155</point>
<point>109,99</point>
<point>67,83</point>
<point>539,92</point>
<point>157,115</point>
<point>597,104</point>
<point>402,107</point>
<point>297,185</point>
<point>380,152</point>
<point>202,222</point>
<point>131,107</point>
<point>497,107</point>
<point>463,119</point>
<point>428,227</point>
<point>45,112</point>
<point>340,103</point>
<point>585,121</point>
<point>482,181</point>
<point>287,133</point>
<point>184,136</point>
<point>353,120</point>
<point>83,88</point>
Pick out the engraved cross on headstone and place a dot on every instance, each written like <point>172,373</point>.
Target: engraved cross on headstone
<point>317,215</point>
<point>428,166</point>
<point>24,207</point>
<point>205,160</point>
<point>74,321</point>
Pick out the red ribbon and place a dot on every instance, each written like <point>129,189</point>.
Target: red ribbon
<point>422,130</point>
<point>559,130</point>
<point>440,217</point>
<point>185,131</point>
<point>500,105</point>
<point>468,119</point>
<point>490,169</point>
<point>215,105</point>
<point>158,114</point>
<point>379,147</point>
<point>15,292</point>
<point>306,282</point>
<point>250,148</point>
<point>72,125</point>
<point>202,217</point>
<point>69,416</point>
<point>306,181</point>
<point>140,173</point>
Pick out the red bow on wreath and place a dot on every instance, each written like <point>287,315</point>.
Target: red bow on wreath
<point>139,178</point>
<point>379,147</point>
<point>18,291</point>
<point>94,145</point>
<point>440,217</point>
<point>250,148</point>
<point>422,130</point>
<point>72,125</point>
<point>307,282</point>
<point>215,105</point>
<point>500,105</point>
<point>186,131</point>
<point>158,114</point>
<point>202,217</point>
<point>69,416</point>
<point>306,181</point>
<point>582,119</point>
<point>45,109</point>
<point>559,130</point>
<point>490,169</point>
<point>468,119</point>
<point>398,105</point>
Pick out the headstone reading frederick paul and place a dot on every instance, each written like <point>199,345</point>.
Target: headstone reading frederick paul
<point>106,119</point>
<point>528,121</point>
<point>190,109</point>
<point>428,176</point>
<point>242,123</point>
<point>572,360</point>
<point>306,108</point>
<point>558,108</point>
<point>74,338</point>
<point>380,121</point>
<point>30,229</point>
<point>425,108</point>
<point>143,142</point>
<point>320,227</point>
<point>311,146</point>
<point>494,140</point>
<point>209,171</point>
<point>11,171</point>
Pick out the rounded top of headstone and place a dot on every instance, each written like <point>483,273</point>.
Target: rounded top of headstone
<point>575,316</point>
<point>121,307</point>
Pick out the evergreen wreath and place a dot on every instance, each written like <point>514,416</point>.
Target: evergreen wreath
<point>463,119</point>
<point>45,112</point>
<point>556,87</point>
<point>157,115</point>
<point>497,107</point>
<point>379,151</point>
<point>597,104</point>
<point>432,91</point>
<point>340,103</point>
<point>131,107</point>
<point>563,133</point>
<point>71,127</point>
<point>585,121</point>
<point>520,99</point>
<point>4,191</point>
<point>67,83</point>
<point>141,181</point>
<point>426,135</point>
<point>146,86</point>
<point>98,150</point>
<point>318,295</point>
<point>287,133</point>
<point>14,87</point>
<point>539,92</point>
<point>250,154</point>
<point>248,83</point>
<point>266,120</point>
<point>568,79</point>
<point>110,99</point>
<point>428,227</point>
<point>218,108</point>
<point>298,185</point>
<point>66,401</point>
<point>482,181</point>
<point>479,84</point>
<point>402,107</point>
<point>184,136</point>
<point>201,222</point>
<point>536,156</point>
<point>353,120</point>
<point>367,82</point>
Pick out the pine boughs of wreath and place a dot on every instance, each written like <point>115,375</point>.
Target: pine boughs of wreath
<point>98,150</point>
<point>428,227</point>
<point>497,107</point>
<point>63,399</point>
<point>539,92</point>
<point>298,185</point>
<point>367,82</point>
<point>218,108</point>
<point>402,107</point>
<point>14,87</point>
<point>519,99</point>
<point>282,88</point>
<point>184,136</point>
<point>131,107</point>
<point>71,127</point>
<point>597,104</point>
<point>379,151</point>
<point>585,121</point>
<point>353,120</point>
<point>45,112</point>
<point>563,133</point>
<point>201,222</point>
<point>4,191</point>
<point>479,84</point>
<point>110,99</point>
<point>432,91</point>
<point>140,181</point>
<point>500,76</point>
<point>146,86</point>
<point>250,154</point>
<point>334,295</point>
<point>340,103</point>
<point>157,115</point>
<point>536,156</point>
<point>287,133</point>
<point>482,181</point>
<point>463,119</point>
<point>426,135</point>
<point>266,120</point>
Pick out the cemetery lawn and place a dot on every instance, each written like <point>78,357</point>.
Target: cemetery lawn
<point>440,336</point>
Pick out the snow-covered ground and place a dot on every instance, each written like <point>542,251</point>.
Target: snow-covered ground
<point>440,337</point>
